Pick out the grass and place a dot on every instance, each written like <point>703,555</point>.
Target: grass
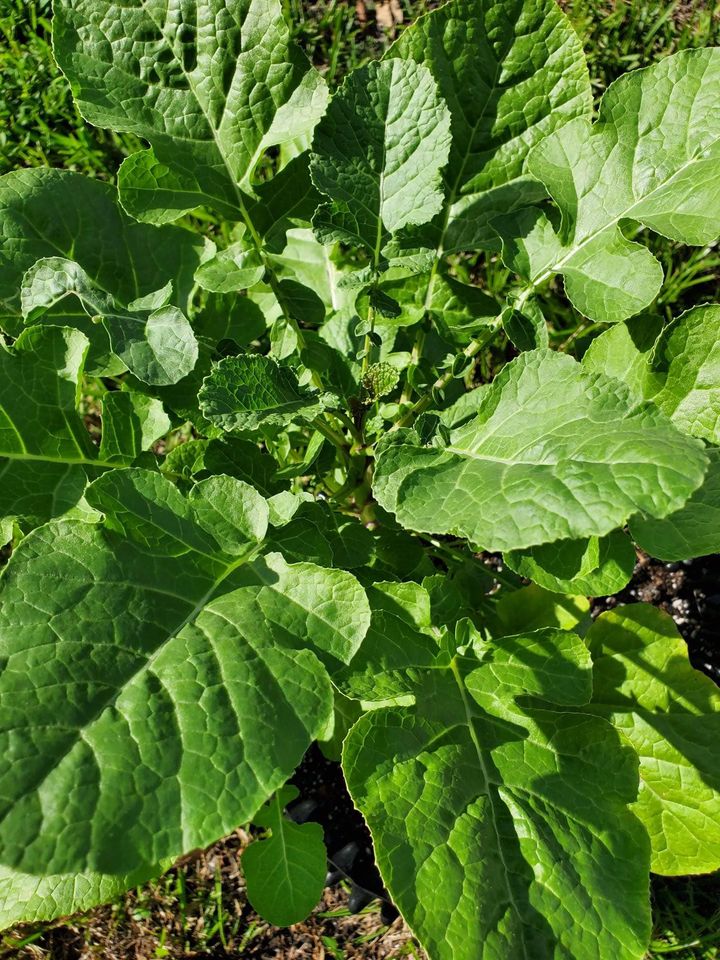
<point>198,909</point>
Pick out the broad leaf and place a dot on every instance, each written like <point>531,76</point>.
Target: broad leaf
<point>552,453</point>
<point>510,72</point>
<point>694,530</point>
<point>244,392</point>
<point>242,459</point>
<point>53,213</point>
<point>496,827</point>
<point>210,85</point>
<point>284,873</point>
<point>131,422</point>
<point>170,654</point>
<point>653,156</point>
<point>378,152</point>
<point>154,342</point>
<point>45,449</point>
<point>644,684</point>
<point>594,566</point>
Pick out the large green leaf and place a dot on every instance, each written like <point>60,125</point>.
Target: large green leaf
<point>510,72</point>
<point>147,661</point>
<point>496,826</point>
<point>246,391</point>
<point>644,684</point>
<point>378,152</point>
<point>53,213</point>
<point>553,452</point>
<point>210,85</point>
<point>653,156</point>
<point>694,530</point>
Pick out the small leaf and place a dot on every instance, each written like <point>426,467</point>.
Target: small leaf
<point>234,268</point>
<point>248,391</point>
<point>285,873</point>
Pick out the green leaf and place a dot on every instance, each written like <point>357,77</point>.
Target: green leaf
<point>242,459</point>
<point>45,449</point>
<point>623,351</point>
<point>510,72</point>
<point>158,346</point>
<point>210,86</point>
<point>131,422</point>
<point>167,660</point>
<point>552,453</point>
<point>323,535</point>
<point>285,873</point>
<point>248,391</point>
<point>692,531</point>
<point>652,157</point>
<point>525,324</point>
<point>235,268</point>
<point>54,213</point>
<point>496,827</point>
<point>458,309</point>
<point>644,684</point>
<point>533,607</point>
<point>594,566</point>
<point>378,152</point>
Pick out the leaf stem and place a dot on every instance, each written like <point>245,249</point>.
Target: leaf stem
<point>471,350</point>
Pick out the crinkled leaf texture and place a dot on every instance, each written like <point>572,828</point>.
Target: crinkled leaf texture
<point>510,72</point>
<point>552,452</point>
<point>652,156</point>
<point>378,152</point>
<point>244,392</point>
<point>496,827</point>
<point>159,679</point>
<point>211,85</point>
<point>644,684</point>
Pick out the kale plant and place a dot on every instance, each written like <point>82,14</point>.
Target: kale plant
<point>363,429</point>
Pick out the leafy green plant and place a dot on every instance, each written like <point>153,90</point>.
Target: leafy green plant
<point>181,620</point>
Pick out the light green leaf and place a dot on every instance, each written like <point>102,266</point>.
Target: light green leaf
<point>553,453</point>
<point>510,72</point>
<point>378,151</point>
<point>644,684</point>
<point>167,664</point>
<point>235,268</point>
<point>131,422</point>
<point>210,86</point>
<point>653,157</point>
<point>458,309</point>
<point>159,346</point>
<point>285,873</point>
<point>694,530</point>
<point>594,566</point>
<point>496,827</point>
<point>54,213</point>
<point>245,392</point>
<point>624,350</point>
<point>45,449</point>
<point>533,607</point>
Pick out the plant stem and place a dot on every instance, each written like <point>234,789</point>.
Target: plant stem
<point>471,350</point>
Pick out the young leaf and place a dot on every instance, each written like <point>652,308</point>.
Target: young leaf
<point>244,392</point>
<point>167,661</point>
<point>644,684</point>
<point>694,530</point>
<point>652,156</point>
<point>553,452</point>
<point>594,566</point>
<point>496,827</point>
<point>157,344</point>
<point>131,422</point>
<point>378,152</point>
<point>211,86</point>
<point>285,873</point>
<point>510,72</point>
<point>242,459</point>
